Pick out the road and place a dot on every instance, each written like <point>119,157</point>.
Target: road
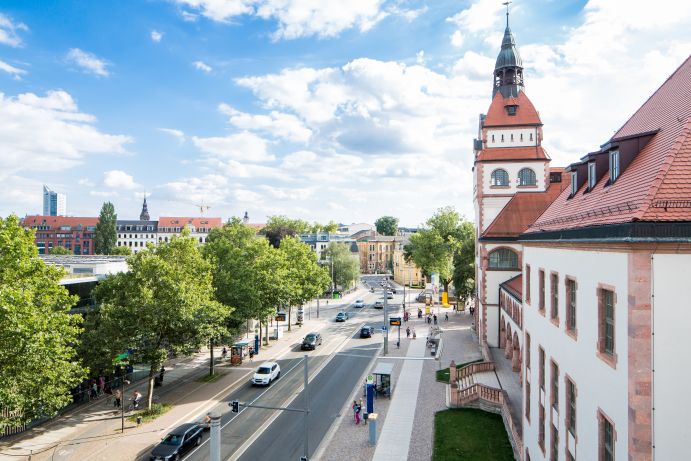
<point>335,368</point>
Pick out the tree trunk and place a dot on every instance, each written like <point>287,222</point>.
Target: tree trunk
<point>266,336</point>
<point>150,392</point>
<point>211,356</point>
<point>260,335</point>
<point>290,309</point>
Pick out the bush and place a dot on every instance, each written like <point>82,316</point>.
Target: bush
<point>149,414</point>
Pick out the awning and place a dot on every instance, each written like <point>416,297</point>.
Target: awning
<point>383,368</point>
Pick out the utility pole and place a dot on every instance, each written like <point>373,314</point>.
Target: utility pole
<point>386,320</point>
<point>307,408</point>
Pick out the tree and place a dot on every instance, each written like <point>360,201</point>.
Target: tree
<point>437,246</point>
<point>61,251</point>
<point>38,364</point>
<point>248,273</point>
<point>387,225</point>
<point>464,263</point>
<point>278,227</point>
<point>343,266</point>
<point>163,304</point>
<point>106,235</point>
<point>305,278</point>
<point>121,251</point>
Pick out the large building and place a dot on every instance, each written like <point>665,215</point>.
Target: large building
<point>376,253</point>
<point>137,234</point>
<point>582,277</point>
<point>54,203</point>
<point>199,227</point>
<point>74,233</point>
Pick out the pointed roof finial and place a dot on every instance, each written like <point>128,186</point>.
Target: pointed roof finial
<point>506,4</point>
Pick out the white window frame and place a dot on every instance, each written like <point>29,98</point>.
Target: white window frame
<point>574,182</point>
<point>592,175</point>
<point>614,165</point>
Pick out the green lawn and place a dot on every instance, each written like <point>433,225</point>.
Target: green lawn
<point>157,409</point>
<point>470,434</point>
<point>443,374</point>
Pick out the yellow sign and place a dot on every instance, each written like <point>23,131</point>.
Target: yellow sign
<point>445,299</point>
<point>427,309</point>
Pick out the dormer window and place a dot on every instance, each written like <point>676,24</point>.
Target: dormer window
<point>521,137</point>
<point>592,178</point>
<point>613,166</point>
<point>574,183</point>
<point>511,137</point>
<point>502,138</point>
<point>492,138</point>
<point>531,136</point>
<point>511,110</point>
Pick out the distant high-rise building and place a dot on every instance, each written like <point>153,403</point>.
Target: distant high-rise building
<point>54,203</point>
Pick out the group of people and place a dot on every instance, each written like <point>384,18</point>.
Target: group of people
<point>408,332</point>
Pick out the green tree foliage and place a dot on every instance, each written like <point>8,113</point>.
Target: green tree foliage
<point>60,251</point>
<point>38,366</point>
<point>106,236</point>
<point>248,273</point>
<point>121,251</point>
<point>464,263</point>
<point>343,265</point>
<point>438,246</point>
<point>163,304</point>
<point>387,225</point>
<point>278,227</point>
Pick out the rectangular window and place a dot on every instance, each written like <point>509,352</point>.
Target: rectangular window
<point>541,281</point>
<point>541,427</point>
<point>555,386</point>
<point>574,183</point>
<point>613,165</point>
<point>527,400</point>
<point>606,438</point>
<point>527,350</point>
<point>570,407</point>
<point>592,178</point>
<point>607,321</point>
<point>554,308</point>
<point>527,282</point>
<point>554,444</point>
<point>570,305</point>
<point>541,354</point>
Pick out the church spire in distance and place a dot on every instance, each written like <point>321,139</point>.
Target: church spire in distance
<point>508,70</point>
<point>144,215</point>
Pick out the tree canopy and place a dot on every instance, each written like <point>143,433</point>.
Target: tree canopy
<point>387,225</point>
<point>305,278</point>
<point>163,304</point>
<point>279,226</point>
<point>106,237</point>
<point>38,365</point>
<point>464,262</point>
<point>121,251</point>
<point>60,251</point>
<point>346,268</point>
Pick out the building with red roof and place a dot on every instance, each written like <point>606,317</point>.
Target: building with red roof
<point>74,233</point>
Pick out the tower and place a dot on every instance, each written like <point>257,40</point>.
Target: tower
<point>54,203</point>
<point>144,215</point>
<point>246,218</point>
<point>508,69</point>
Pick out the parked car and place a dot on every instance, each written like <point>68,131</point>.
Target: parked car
<point>378,305</point>
<point>366,331</point>
<point>177,442</point>
<point>266,373</point>
<point>341,316</point>
<point>389,295</point>
<point>311,341</point>
<point>359,303</point>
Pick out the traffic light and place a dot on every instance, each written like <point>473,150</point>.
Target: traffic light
<point>235,406</point>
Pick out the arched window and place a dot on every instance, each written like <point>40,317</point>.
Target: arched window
<point>500,177</point>
<point>503,258</point>
<point>526,177</point>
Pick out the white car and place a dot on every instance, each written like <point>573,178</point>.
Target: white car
<point>265,373</point>
<point>359,303</point>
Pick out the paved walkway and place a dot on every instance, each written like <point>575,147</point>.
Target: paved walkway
<point>398,427</point>
<point>508,380</point>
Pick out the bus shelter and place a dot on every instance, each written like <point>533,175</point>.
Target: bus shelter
<point>238,352</point>
<point>382,378</point>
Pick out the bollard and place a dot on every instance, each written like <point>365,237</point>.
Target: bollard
<point>372,418</point>
<point>215,434</point>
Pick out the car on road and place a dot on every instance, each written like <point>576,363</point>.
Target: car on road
<point>178,442</point>
<point>359,303</point>
<point>311,341</point>
<point>341,316</point>
<point>378,305</point>
<point>366,331</point>
<point>392,288</point>
<point>389,295</point>
<point>265,373</point>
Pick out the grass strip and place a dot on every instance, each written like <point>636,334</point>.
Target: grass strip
<point>469,434</point>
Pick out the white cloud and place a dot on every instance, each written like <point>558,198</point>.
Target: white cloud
<point>9,29</point>
<point>200,65</point>
<point>86,182</point>
<point>480,17</point>
<point>156,36</point>
<point>14,71</point>
<point>277,124</point>
<point>409,15</point>
<point>420,57</point>
<point>49,133</point>
<point>244,146</point>
<point>117,179</point>
<point>89,62</point>
<point>457,39</point>
<point>300,18</point>
<point>177,134</point>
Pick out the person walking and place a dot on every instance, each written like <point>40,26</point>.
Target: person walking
<point>407,332</point>
<point>224,354</point>
<point>414,334</point>
<point>435,319</point>
<point>118,398</point>
<point>251,353</point>
<point>356,412</point>
<point>446,316</point>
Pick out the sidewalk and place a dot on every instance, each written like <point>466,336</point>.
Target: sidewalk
<point>92,431</point>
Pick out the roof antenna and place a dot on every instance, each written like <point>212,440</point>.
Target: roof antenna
<point>506,4</point>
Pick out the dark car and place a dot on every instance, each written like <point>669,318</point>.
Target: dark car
<point>378,305</point>
<point>342,317</point>
<point>311,341</point>
<point>178,442</point>
<point>366,332</point>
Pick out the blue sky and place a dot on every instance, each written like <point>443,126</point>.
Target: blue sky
<point>319,109</point>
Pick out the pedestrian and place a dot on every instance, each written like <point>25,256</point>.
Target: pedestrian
<point>446,316</point>
<point>224,354</point>
<point>118,398</point>
<point>419,313</point>
<point>356,411</point>
<point>407,332</point>
<point>414,334</point>
<point>101,385</point>
<point>435,319</point>
<point>94,390</point>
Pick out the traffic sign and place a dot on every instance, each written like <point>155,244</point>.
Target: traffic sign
<point>370,379</point>
<point>383,328</point>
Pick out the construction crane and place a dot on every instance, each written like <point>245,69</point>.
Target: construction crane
<point>202,208</point>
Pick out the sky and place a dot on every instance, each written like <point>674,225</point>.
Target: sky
<point>342,110</point>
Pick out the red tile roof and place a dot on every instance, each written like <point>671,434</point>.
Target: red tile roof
<point>523,208</point>
<point>182,222</point>
<point>512,153</point>
<point>525,112</point>
<point>659,174</point>
<point>56,222</point>
<point>515,286</point>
